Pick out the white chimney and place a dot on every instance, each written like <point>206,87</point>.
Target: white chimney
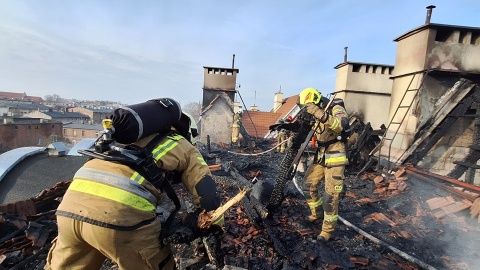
<point>236,107</point>
<point>277,101</point>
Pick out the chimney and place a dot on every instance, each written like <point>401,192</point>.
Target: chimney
<point>429,13</point>
<point>254,108</point>
<point>277,100</point>
<point>345,57</point>
<point>236,107</point>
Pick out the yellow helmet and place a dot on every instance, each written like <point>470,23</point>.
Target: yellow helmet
<point>309,95</point>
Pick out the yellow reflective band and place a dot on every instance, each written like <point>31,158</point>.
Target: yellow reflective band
<point>330,218</point>
<point>335,124</point>
<point>137,178</point>
<point>338,188</point>
<point>112,193</point>
<point>315,204</point>
<point>175,137</point>
<point>336,159</point>
<point>338,111</point>
<point>202,161</point>
<point>163,149</point>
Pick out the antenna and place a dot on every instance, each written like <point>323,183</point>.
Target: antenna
<point>255,99</point>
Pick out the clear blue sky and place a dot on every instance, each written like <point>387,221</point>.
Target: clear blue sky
<point>131,51</point>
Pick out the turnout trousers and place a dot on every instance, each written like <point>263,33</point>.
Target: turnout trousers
<point>329,198</point>
<point>81,245</point>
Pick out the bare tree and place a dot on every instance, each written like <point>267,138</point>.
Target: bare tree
<point>194,109</point>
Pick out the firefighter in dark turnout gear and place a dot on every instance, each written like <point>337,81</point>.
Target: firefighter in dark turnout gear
<point>329,163</point>
<point>109,209</point>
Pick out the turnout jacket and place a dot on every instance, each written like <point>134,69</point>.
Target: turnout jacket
<point>115,196</point>
<point>331,149</point>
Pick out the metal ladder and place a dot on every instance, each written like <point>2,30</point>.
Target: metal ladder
<point>401,107</point>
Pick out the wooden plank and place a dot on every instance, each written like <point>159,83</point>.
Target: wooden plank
<point>439,202</point>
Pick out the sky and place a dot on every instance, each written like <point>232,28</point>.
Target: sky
<point>132,51</point>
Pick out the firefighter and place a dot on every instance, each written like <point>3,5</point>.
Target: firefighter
<point>109,209</point>
<point>329,163</point>
<point>283,136</point>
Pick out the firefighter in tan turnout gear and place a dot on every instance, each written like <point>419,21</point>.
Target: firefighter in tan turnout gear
<point>109,209</point>
<point>330,161</point>
<point>283,136</point>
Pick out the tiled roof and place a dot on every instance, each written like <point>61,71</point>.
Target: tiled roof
<point>256,123</point>
<point>223,96</point>
<point>19,96</point>
<point>286,107</point>
<point>28,106</point>
<point>84,126</point>
<point>66,115</point>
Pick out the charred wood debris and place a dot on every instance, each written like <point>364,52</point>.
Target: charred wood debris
<point>404,218</point>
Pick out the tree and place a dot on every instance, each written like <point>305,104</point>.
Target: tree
<point>53,98</point>
<point>194,109</point>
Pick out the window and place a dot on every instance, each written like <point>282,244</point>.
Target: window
<point>83,133</point>
<point>16,127</point>
<point>64,131</point>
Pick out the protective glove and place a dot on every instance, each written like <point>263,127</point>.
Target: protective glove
<point>316,111</point>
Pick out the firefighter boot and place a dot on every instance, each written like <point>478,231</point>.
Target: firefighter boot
<point>324,236</point>
<point>316,209</point>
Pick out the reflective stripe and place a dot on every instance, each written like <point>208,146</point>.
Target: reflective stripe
<point>163,149</point>
<point>338,111</point>
<point>202,161</point>
<point>335,124</point>
<point>136,193</point>
<point>315,204</point>
<point>338,188</point>
<point>139,121</point>
<point>111,193</point>
<point>337,157</point>
<point>137,178</point>
<point>330,218</point>
<point>175,137</point>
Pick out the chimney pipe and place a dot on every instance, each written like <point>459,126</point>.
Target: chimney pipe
<point>429,13</point>
<point>345,56</point>
<point>233,61</point>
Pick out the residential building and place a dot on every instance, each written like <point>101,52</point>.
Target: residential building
<point>63,117</point>
<point>96,115</point>
<point>19,96</point>
<point>434,109</point>
<point>218,104</point>
<point>75,132</point>
<point>15,135</point>
<point>365,89</point>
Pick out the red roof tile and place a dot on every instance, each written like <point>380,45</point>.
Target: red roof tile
<point>256,123</point>
<point>286,107</point>
<point>19,96</point>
